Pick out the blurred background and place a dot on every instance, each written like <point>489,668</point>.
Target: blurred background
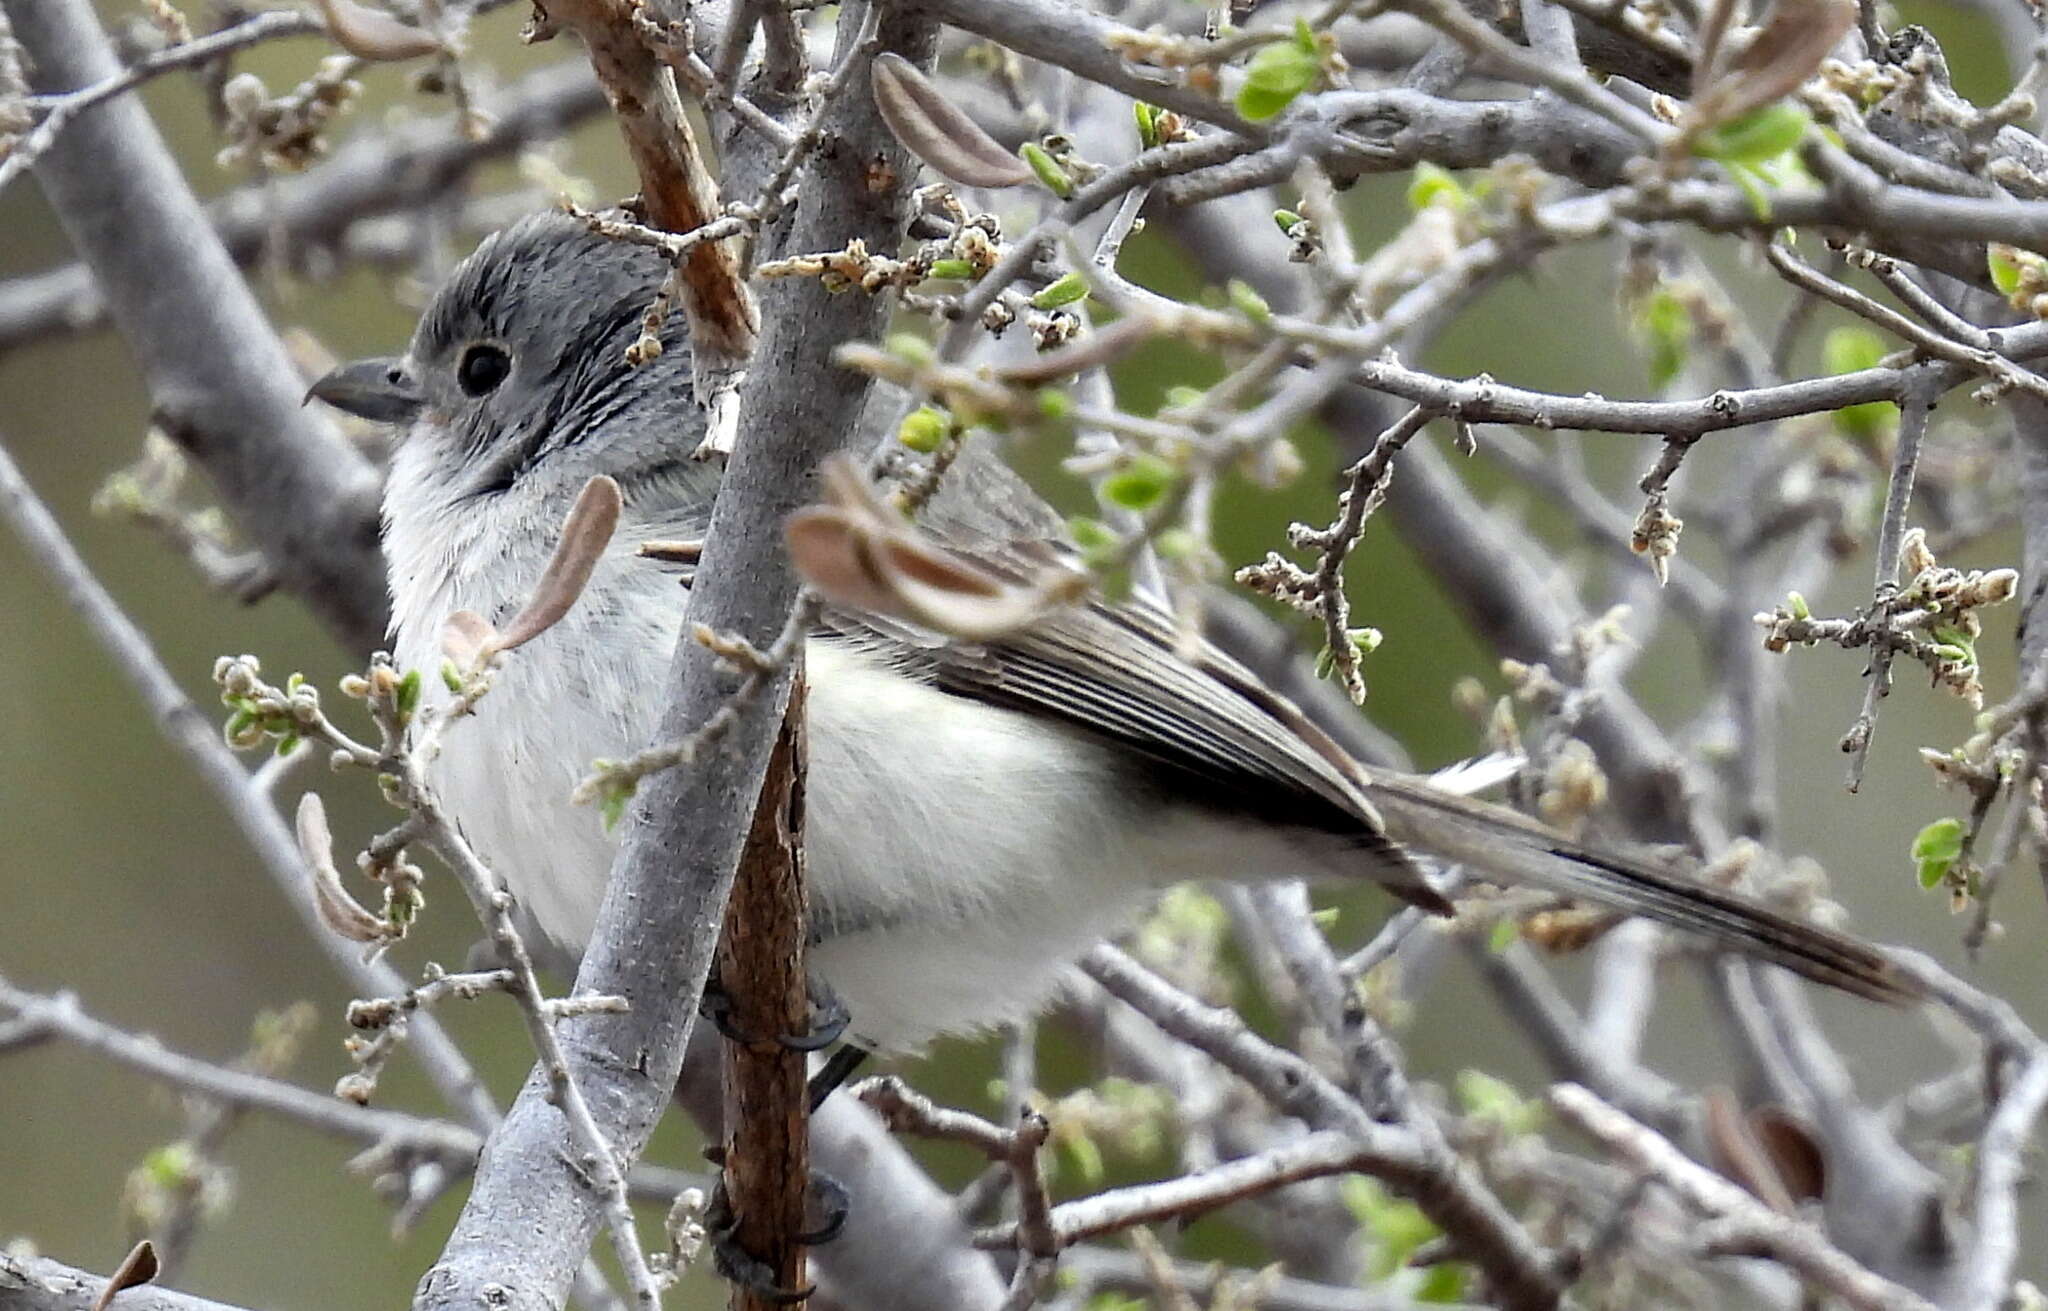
<point>120,880</point>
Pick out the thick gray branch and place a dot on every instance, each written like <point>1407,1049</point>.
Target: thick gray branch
<point>40,1284</point>
<point>529,1218</point>
<point>375,173</point>
<point>221,381</point>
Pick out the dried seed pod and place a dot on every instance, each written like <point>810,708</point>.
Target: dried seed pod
<point>938,131</point>
<point>585,534</point>
<point>338,910</point>
<point>858,552</point>
<point>375,35</point>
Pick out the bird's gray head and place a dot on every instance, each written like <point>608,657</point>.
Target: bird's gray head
<point>518,368</point>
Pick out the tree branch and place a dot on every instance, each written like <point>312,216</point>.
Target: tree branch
<point>222,383</point>
<point>529,1219</point>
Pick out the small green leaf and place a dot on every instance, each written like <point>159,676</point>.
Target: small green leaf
<point>1177,544</point>
<point>612,808</point>
<point>1069,288</point>
<point>1761,134</point>
<point>1444,1282</point>
<point>288,743</point>
<point>1055,404</point>
<point>923,429</point>
<point>1434,185</point>
<point>1367,640</point>
<point>1950,636</point>
<point>2004,263</point>
<point>958,270</point>
<point>408,698</point>
<point>1666,326</point>
<point>1326,661</point>
<point>1936,848</point>
<point>1398,1226</point>
<point>1082,1152</point>
<point>1096,539</point>
<point>1048,170</point>
<point>910,346</point>
<point>1796,603</point>
<point>451,677</point>
<point>1286,219</point>
<point>1148,123</point>
<point>1506,930</point>
<point>1248,301</point>
<point>1139,484</point>
<point>1850,349</point>
<point>1326,918</point>
<point>1275,76</point>
<point>1751,182</point>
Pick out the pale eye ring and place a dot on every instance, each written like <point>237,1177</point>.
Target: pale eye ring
<point>482,368</point>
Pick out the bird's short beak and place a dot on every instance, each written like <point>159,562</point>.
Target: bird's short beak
<point>380,390</point>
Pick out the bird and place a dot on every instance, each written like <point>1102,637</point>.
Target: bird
<point>979,813</point>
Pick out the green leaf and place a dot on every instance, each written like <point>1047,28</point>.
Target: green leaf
<point>1936,849</point>
<point>1055,404</point>
<point>1286,219</point>
<point>408,698</point>
<point>1048,170</point>
<point>1095,538</point>
<point>1139,484</point>
<point>451,677</point>
<point>612,808</point>
<point>1083,1154</point>
<point>957,270</point>
<point>923,429</point>
<point>1444,1282</point>
<point>2004,265</point>
<point>1248,301</point>
<point>910,346</point>
<point>1367,640</point>
<point>1398,1226</point>
<point>1761,134</point>
<point>1796,603</point>
<point>1069,288</point>
<point>1851,349</point>
<point>1276,75</point>
<point>1751,182</point>
<point>1432,185</point>
<point>1148,123</point>
<point>1667,328</point>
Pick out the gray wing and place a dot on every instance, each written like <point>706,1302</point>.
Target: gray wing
<point>1202,721</point>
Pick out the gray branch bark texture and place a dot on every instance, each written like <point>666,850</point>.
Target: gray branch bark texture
<point>219,378</point>
<point>365,178</point>
<point>529,1218</point>
<point>40,1284</point>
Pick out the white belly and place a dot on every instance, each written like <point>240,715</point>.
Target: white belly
<point>960,856</point>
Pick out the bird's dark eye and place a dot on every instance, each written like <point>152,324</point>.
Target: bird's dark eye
<point>482,368</point>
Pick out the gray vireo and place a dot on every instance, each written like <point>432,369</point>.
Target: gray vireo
<point>979,814</point>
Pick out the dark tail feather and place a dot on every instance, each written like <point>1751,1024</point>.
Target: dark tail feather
<point>1508,847</point>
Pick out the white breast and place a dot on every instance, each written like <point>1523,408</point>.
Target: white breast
<point>960,855</point>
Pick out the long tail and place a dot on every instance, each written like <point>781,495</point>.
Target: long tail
<point>1508,847</point>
